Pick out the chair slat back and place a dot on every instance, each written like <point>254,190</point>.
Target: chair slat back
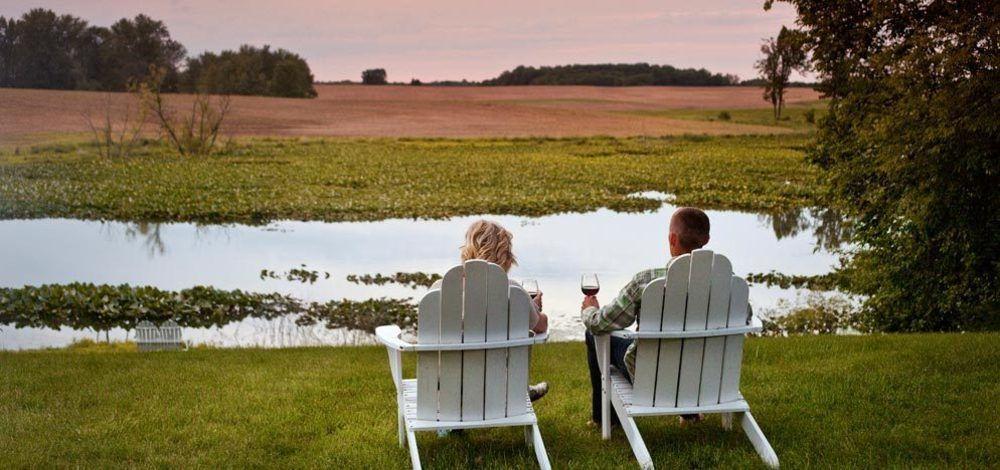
<point>475,304</point>
<point>698,293</point>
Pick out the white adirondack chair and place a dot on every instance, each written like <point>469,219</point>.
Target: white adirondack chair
<point>689,352</point>
<point>472,358</point>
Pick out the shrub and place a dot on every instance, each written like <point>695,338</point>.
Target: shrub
<point>193,134</point>
<point>725,116</point>
<point>810,116</point>
<point>116,134</point>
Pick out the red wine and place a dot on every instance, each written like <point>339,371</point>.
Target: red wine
<point>590,290</point>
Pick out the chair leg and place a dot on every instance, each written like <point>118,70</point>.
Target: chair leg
<point>727,421</point>
<point>632,433</point>
<point>527,436</point>
<point>543,458</point>
<point>414,453</point>
<point>758,440</point>
<point>602,344</point>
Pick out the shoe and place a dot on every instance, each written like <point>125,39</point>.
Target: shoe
<point>537,391</point>
<point>688,420</point>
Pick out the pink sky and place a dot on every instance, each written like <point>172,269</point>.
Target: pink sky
<point>450,39</point>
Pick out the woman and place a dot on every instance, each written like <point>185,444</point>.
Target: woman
<point>489,241</point>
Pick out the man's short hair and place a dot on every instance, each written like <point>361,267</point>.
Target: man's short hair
<point>692,227</point>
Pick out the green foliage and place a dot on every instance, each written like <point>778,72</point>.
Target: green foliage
<point>250,71</point>
<point>821,282</point>
<point>134,47</point>
<point>45,50</point>
<point>910,152</point>
<point>725,116</point>
<point>411,280</point>
<point>879,401</point>
<point>374,77</point>
<point>374,179</point>
<point>810,116</point>
<point>103,307</point>
<point>781,57</point>
<point>640,74</point>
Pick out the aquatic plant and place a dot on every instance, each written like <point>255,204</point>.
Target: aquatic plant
<point>411,280</point>
<point>300,274</point>
<point>259,180</point>
<point>103,307</point>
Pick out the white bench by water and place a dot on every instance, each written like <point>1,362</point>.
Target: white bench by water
<point>150,337</point>
<point>689,352</point>
<point>472,364</point>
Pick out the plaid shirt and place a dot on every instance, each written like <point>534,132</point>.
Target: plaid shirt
<point>622,312</point>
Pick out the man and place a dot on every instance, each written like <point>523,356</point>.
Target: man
<point>689,229</point>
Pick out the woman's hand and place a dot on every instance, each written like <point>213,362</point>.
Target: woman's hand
<point>590,301</point>
<point>538,301</point>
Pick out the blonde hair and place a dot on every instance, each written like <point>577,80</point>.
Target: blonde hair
<point>487,240</point>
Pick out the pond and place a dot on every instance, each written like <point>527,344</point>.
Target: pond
<point>554,249</point>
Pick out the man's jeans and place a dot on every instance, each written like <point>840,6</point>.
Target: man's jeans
<point>618,348</point>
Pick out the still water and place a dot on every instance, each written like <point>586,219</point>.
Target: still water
<point>555,250</point>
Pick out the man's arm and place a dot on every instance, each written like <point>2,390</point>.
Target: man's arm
<point>617,315</point>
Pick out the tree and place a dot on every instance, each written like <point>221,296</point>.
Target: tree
<point>640,74</point>
<point>45,50</point>
<point>374,77</point>
<point>781,57</point>
<point>249,71</point>
<point>910,151</point>
<point>131,48</point>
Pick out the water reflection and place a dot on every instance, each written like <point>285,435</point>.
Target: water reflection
<point>553,249</point>
<point>829,229</point>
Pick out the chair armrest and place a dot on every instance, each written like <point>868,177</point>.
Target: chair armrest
<point>389,336</point>
<point>625,334</point>
<point>540,338</point>
<point>709,333</point>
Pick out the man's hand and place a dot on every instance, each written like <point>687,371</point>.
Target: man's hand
<point>590,301</point>
<point>538,301</point>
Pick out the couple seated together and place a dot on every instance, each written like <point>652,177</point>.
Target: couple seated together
<point>689,231</point>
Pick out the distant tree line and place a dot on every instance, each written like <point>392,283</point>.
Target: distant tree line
<point>46,50</point>
<point>640,74</point>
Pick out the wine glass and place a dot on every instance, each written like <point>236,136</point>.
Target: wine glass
<point>589,284</point>
<point>531,287</point>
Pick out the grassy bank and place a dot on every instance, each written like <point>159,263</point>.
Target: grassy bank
<point>355,179</point>
<point>878,401</point>
<point>795,117</point>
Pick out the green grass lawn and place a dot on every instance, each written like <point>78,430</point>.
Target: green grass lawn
<point>371,179</point>
<point>792,116</point>
<point>876,401</point>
